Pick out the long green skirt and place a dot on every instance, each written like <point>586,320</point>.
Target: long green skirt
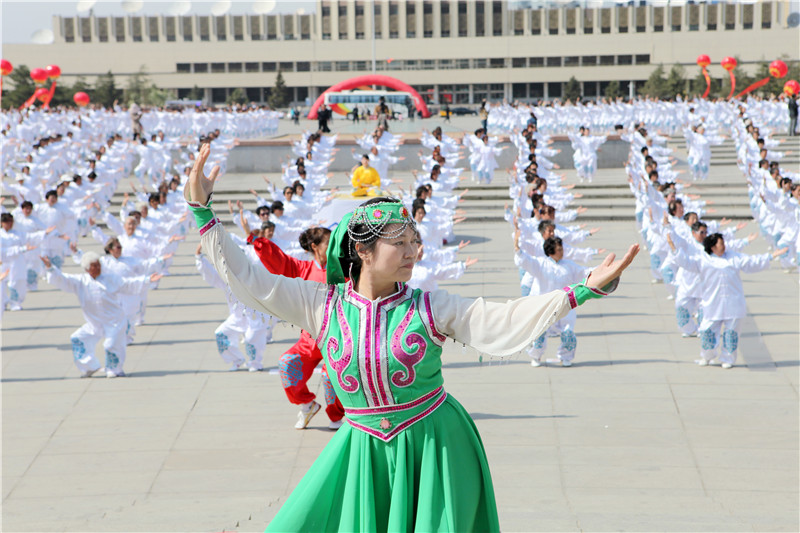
<point>432,477</point>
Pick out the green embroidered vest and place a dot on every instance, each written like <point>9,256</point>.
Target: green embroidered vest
<point>383,358</point>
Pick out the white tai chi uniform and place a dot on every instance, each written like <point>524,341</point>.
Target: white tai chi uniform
<point>723,300</point>
<point>552,275</point>
<point>105,318</point>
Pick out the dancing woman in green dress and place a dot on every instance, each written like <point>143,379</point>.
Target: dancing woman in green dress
<point>409,458</point>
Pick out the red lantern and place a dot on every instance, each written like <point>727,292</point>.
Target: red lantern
<point>778,69</point>
<point>39,75</point>
<point>703,61</point>
<point>728,63</point>
<point>53,72</point>
<point>791,87</point>
<point>41,94</point>
<point>5,67</point>
<point>81,98</point>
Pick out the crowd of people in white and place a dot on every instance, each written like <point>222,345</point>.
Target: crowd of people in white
<point>62,168</point>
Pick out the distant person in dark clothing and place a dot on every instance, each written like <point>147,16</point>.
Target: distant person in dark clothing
<point>793,114</point>
<point>446,112</point>
<point>483,114</point>
<point>355,115</point>
<point>323,116</point>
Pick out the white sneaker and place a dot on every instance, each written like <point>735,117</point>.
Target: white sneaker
<point>111,374</point>
<point>306,414</point>
<point>234,367</point>
<point>726,366</point>
<point>335,425</point>
<point>89,373</point>
<point>536,362</point>
<point>702,362</point>
<point>254,369</point>
<point>566,363</point>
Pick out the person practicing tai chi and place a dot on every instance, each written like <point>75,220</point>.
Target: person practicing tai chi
<point>409,457</point>
<point>366,181</point>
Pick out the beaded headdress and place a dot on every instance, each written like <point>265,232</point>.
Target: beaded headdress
<point>365,224</point>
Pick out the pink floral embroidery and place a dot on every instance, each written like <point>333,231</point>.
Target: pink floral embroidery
<point>385,424</point>
<point>347,383</point>
<point>416,344</point>
<point>377,213</point>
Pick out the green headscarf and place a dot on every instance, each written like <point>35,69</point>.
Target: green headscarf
<point>375,217</point>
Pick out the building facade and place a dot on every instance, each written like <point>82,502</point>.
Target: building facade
<point>449,50</point>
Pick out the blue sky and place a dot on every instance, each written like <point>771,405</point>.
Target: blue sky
<point>22,18</point>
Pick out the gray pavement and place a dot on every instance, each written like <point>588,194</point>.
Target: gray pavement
<point>633,437</point>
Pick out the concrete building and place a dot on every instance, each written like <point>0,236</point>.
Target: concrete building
<point>467,50</point>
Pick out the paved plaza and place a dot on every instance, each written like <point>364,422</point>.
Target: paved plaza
<point>633,437</point>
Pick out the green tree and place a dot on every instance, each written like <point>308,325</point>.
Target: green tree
<point>138,85</point>
<point>676,82</point>
<point>22,87</point>
<point>572,89</point>
<point>196,93</point>
<point>105,90</point>
<point>655,86</point>
<point>698,86</point>
<point>279,96</point>
<point>612,90</point>
<point>237,96</point>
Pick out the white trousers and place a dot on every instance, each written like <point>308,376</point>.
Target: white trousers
<point>711,332</point>
<point>255,333</point>
<point>687,313</point>
<point>564,328</point>
<point>84,342</point>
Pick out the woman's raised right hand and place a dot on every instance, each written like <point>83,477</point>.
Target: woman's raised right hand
<point>200,186</point>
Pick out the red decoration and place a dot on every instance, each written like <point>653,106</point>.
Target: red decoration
<point>778,69</point>
<point>703,61</point>
<point>729,63</point>
<point>791,87</point>
<point>372,79</point>
<point>53,72</point>
<point>41,94</point>
<point>39,75</point>
<point>404,212</point>
<point>81,98</point>
<point>5,67</point>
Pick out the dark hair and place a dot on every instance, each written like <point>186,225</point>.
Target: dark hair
<point>51,192</point>
<point>351,262</point>
<point>298,183</point>
<point>154,197</point>
<point>710,241</point>
<point>544,224</point>
<point>288,189</point>
<point>313,236</point>
<point>697,225</point>
<point>688,215</point>
<point>110,244</point>
<point>422,189</point>
<point>267,225</point>
<point>551,244</point>
<point>260,209</point>
<point>6,217</point>
<point>276,205</point>
<point>25,204</point>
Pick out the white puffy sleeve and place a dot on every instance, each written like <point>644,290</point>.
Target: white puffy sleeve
<point>497,328</point>
<point>297,301</point>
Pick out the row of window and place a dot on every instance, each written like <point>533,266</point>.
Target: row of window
<point>413,64</point>
<point>488,19</point>
<point>451,94</point>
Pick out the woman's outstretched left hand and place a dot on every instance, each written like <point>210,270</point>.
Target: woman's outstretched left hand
<point>609,269</point>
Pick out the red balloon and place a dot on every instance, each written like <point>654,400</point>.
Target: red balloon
<point>53,71</point>
<point>5,67</point>
<point>778,69</point>
<point>81,98</point>
<point>41,94</point>
<point>703,60</point>
<point>728,63</point>
<point>791,87</point>
<point>39,75</point>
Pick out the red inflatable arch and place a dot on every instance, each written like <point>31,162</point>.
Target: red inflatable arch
<point>372,79</point>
